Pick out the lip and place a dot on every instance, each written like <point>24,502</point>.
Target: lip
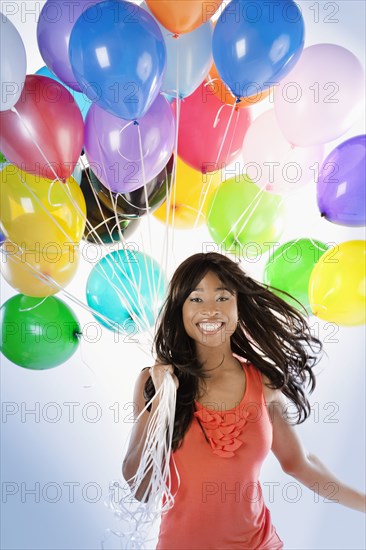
<point>210,332</point>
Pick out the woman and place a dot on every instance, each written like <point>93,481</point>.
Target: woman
<point>236,352</point>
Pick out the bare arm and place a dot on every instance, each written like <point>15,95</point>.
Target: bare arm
<point>137,441</point>
<point>302,465</point>
<point>317,477</point>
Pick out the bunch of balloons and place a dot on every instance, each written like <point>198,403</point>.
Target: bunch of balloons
<point>42,210</point>
<point>139,110</point>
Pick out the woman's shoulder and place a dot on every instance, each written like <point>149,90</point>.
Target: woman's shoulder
<point>270,395</point>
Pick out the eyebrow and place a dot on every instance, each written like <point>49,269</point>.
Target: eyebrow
<point>218,288</point>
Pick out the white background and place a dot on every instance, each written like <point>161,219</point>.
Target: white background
<point>36,450</point>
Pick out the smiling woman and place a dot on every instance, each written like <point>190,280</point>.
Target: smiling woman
<point>210,309</point>
<point>102,371</point>
<point>232,380</point>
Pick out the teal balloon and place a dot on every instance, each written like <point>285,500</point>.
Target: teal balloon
<point>82,101</point>
<point>127,287</point>
<point>289,269</point>
<point>77,173</point>
<point>38,333</point>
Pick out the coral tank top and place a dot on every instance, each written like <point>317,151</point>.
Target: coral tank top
<point>219,503</point>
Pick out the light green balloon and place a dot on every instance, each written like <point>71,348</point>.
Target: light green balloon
<point>242,218</point>
<point>290,266</point>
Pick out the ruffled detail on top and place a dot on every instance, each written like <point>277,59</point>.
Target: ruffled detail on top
<point>222,435</point>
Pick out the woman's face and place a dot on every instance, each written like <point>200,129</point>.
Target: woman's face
<point>210,312</point>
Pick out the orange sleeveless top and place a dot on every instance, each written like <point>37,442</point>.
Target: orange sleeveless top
<point>219,502</point>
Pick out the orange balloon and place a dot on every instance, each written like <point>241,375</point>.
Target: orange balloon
<point>27,271</point>
<point>181,16</point>
<point>222,92</point>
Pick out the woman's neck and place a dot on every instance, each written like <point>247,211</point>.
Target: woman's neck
<point>216,361</point>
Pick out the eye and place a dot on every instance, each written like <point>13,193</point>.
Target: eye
<point>223,298</point>
<point>194,299</point>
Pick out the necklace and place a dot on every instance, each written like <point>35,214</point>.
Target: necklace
<point>219,365</point>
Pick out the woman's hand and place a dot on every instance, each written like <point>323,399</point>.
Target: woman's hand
<point>157,373</point>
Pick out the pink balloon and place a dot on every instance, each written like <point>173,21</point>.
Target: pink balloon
<point>272,162</point>
<point>48,135</point>
<point>319,100</point>
<point>203,122</point>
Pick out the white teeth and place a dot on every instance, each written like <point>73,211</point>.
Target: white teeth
<point>209,327</point>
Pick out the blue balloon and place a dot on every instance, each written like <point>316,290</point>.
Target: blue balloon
<point>255,44</point>
<point>83,102</point>
<point>189,58</point>
<point>118,57</point>
<point>128,288</point>
<point>169,97</point>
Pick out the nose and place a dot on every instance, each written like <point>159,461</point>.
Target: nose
<point>210,308</point>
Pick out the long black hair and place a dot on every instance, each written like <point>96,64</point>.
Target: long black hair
<point>271,334</point>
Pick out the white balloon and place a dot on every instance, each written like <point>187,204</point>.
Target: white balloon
<point>13,64</point>
<point>272,162</point>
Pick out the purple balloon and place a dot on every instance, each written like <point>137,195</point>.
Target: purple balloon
<point>55,24</point>
<point>341,184</point>
<point>112,145</point>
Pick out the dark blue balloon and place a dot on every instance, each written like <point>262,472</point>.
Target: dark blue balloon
<point>256,43</point>
<point>118,57</point>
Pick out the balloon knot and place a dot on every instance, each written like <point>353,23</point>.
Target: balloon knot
<point>238,100</point>
<point>77,334</point>
<point>322,214</point>
<point>135,123</point>
<point>175,35</point>
<point>63,180</point>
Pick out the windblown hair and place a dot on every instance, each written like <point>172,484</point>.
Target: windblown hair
<point>271,334</point>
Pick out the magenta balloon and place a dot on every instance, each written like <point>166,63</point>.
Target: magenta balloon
<point>112,145</point>
<point>341,184</point>
<point>55,24</point>
<point>47,136</point>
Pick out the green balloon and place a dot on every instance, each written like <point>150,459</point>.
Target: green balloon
<point>2,158</point>
<point>38,333</point>
<point>290,266</point>
<point>261,216</point>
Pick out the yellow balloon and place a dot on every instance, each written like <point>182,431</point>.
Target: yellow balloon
<point>27,270</point>
<point>337,285</point>
<point>190,188</point>
<point>36,211</point>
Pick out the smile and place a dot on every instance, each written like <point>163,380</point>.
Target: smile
<point>210,328</point>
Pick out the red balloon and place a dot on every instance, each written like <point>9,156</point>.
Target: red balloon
<point>48,117</point>
<point>203,122</point>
